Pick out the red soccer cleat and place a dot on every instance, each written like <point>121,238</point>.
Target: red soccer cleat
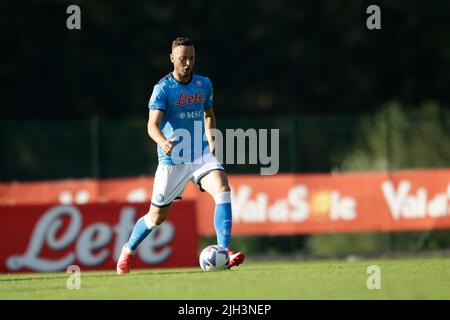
<point>125,261</point>
<point>236,258</point>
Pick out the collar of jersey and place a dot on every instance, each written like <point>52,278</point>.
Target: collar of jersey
<point>183,83</point>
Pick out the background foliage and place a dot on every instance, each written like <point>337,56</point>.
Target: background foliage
<point>264,57</point>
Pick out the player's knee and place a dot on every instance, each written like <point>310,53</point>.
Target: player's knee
<point>156,216</point>
<point>224,188</point>
<point>157,219</point>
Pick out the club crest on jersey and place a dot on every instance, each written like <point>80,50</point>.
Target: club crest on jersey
<point>184,98</point>
<point>198,83</point>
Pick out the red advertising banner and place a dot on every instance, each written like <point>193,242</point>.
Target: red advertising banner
<point>48,238</point>
<point>324,203</point>
<point>77,191</point>
<point>282,204</point>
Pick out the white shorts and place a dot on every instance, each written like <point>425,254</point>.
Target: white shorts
<point>171,180</point>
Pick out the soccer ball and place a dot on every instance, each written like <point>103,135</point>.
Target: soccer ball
<point>214,258</point>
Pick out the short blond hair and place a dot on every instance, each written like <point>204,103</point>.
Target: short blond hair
<point>182,41</point>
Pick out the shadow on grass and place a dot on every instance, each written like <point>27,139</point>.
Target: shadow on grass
<point>104,275</point>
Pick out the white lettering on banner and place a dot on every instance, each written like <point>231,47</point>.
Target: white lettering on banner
<point>95,238</point>
<point>123,229</point>
<point>137,195</point>
<point>150,249</point>
<point>402,204</point>
<point>81,197</point>
<point>296,198</point>
<point>342,207</point>
<point>294,208</point>
<point>45,231</point>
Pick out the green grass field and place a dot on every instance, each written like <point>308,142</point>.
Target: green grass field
<point>425,278</point>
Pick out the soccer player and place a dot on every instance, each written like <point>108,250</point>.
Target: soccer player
<point>180,117</point>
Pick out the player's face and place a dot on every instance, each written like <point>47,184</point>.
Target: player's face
<point>183,59</point>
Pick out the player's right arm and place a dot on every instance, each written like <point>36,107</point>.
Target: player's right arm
<point>153,127</point>
<point>157,106</point>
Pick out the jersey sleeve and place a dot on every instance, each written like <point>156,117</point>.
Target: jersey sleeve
<point>158,99</point>
<point>209,96</point>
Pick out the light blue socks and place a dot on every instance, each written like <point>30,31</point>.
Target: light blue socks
<point>223,218</point>
<point>141,230</point>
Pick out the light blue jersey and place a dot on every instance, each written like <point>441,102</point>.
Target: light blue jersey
<point>183,105</point>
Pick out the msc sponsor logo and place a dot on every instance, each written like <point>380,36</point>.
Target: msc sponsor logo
<point>190,114</point>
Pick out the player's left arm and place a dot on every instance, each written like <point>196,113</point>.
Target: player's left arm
<point>210,123</point>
